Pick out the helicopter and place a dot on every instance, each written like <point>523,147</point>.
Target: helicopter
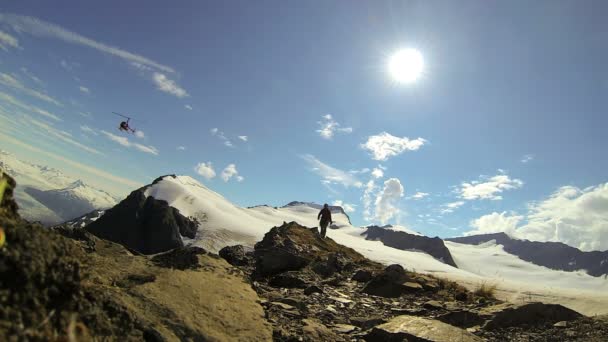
<point>124,125</point>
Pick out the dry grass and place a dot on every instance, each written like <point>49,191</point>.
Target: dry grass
<point>485,290</point>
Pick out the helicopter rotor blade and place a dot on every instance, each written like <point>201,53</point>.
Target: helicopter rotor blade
<point>124,116</point>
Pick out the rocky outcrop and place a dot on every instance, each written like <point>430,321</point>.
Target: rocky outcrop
<point>402,240</point>
<point>392,283</point>
<point>144,224</point>
<point>554,255</point>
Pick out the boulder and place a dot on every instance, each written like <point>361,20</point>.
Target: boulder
<point>367,322</point>
<point>180,258</point>
<point>237,255</point>
<point>362,276</point>
<point>511,315</point>
<point>412,328</point>
<point>462,318</point>
<point>391,283</point>
<point>312,289</point>
<point>334,263</point>
<point>314,330</point>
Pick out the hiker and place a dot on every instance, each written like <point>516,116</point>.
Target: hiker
<point>325,216</point>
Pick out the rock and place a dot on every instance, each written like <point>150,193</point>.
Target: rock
<point>511,315</point>
<point>334,263</point>
<point>288,280</point>
<point>411,286</point>
<point>180,258</point>
<point>391,283</point>
<point>344,328</point>
<point>412,328</point>
<point>433,305</point>
<point>561,324</point>
<point>144,224</point>
<point>362,276</point>
<point>366,322</point>
<point>312,289</point>
<point>461,296</point>
<point>314,330</point>
<point>236,255</point>
<point>462,318</point>
<point>293,302</point>
<point>284,306</point>
<point>341,300</point>
<point>8,206</point>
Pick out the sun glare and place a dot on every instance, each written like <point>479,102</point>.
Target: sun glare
<point>406,66</point>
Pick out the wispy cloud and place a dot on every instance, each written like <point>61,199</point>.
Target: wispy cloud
<point>7,41</point>
<point>450,207</point>
<point>140,134</point>
<point>489,188</point>
<point>124,141</point>
<point>163,83</point>
<point>384,145</point>
<point>181,148</point>
<point>331,174</point>
<point>217,133</point>
<point>32,109</point>
<point>88,129</point>
<point>527,158</point>
<point>52,132</point>
<point>10,81</point>
<point>328,127</point>
<point>205,169</point>
<point>39,28</point>
<point>420,195</point>
<point>243,137</point>
<point>188,107</point>
<point>33,77</point>
<point>231,172</point>
<point>84,90</point>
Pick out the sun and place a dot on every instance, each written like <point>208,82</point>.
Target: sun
<point>406,66</point>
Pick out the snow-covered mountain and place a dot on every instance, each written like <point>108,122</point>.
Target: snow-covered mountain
<point>48,195</point>
<point>221,223</point>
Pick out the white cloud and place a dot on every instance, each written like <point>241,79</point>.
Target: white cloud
<point>420,195</point>
<point>12,82</point>
<point>527,158</point>
<point>328,127</point>
<point>450,207</point>
<point>6,41</point>
<point>181,148</point>
<point>348,208</point>
<point>388,199</point>
<point>229,172</point>
<point>384,145</point>
<point>205,170</point>
<point>168,86</point>
<point>377,173</point>
<point>576,217</point>
<point>124,141</point>
<point>331,174</point>
<point>69,66</point>
<point>494,223</point>
<point>357,172</point>
<point>368,193</point>
<point>214,131</point>
<point>32,109</point>
<point>490,188</point>
<point>40,28</point>
<point>88,129</point>
<point>243,137</point>
<point>140,134</point>
<point>84,90</point>
<point>85,114</point>
<point>188,107</point>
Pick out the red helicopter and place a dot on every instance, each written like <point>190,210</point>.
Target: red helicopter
<point>124,125</point>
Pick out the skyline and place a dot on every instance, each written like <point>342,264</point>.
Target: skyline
<point>504,130</point>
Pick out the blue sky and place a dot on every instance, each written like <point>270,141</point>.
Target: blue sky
<point>504,131</point>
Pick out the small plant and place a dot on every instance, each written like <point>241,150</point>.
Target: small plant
<point>485,290</point>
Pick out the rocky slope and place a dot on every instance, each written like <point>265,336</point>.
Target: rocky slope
<point>402,240</point>
<point>554,255</point>
<point>76,287</point>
